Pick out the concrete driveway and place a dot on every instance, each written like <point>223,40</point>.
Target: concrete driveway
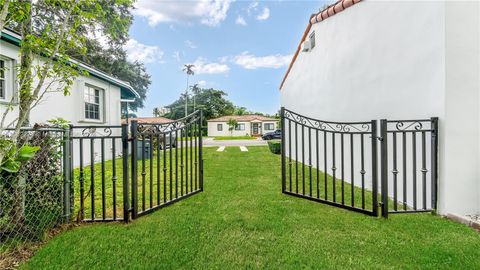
<point>211,142</point>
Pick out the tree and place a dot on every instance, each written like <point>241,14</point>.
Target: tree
<point>195,90</point>
<point>156,112</point>
<point>52,29</point>
<point>232,124</point>
<point>240,111</point>
<point>188,69</point>
<point>211,101</point>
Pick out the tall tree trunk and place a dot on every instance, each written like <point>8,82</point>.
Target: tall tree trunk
<point>26,61</point>
<point>4,13</point>
<point>25,80</point>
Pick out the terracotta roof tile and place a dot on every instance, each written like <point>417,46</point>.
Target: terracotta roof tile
<point>150,120</point>
<point>242,118</point>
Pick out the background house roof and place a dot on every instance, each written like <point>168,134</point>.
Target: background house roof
<point>323,14</point>
<point>127,91</point>
<point>150,120</point>
<point>242,118</point>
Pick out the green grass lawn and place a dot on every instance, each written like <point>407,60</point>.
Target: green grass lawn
<point>242,220</point>
<point>226,138</point>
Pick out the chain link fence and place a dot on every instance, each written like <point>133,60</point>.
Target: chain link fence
<point>33,199</point>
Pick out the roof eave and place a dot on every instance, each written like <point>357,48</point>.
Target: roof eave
<point>15,39</point>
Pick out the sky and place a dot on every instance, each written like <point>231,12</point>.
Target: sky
<point>240,47</point>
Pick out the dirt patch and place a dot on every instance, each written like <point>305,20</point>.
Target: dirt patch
<point>12,259</point>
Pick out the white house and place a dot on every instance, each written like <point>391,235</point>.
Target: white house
<point>93,100</point>
<point>368,60</point>
<point>247,125</point>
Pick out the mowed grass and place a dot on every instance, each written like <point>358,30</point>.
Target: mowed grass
<point>161,178</point>
<point>242,220</point>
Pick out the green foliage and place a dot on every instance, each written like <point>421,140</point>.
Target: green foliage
<point>59,123</point>
<point>14,158</point>
<point>232,124</point>
<point>275,146</point>
<point>212,102</point>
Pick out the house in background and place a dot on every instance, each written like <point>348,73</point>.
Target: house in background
<point>368,60</point>
<point>149,120</point>
<point>94,100</point>
<point>247,125</point>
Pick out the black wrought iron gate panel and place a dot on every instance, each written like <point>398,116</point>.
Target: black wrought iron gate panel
<point>330,162</point>
<point>119,175</point>
<point>409,158</point>
<point>167,163</point>
<point>99,158</point>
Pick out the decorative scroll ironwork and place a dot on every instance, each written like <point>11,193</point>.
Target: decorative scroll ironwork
<point>95,131</point>
<point>409,125</point>
<point>164,128</point>
<point>339,127</point>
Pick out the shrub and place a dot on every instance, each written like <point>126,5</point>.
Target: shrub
<point>275,146</point>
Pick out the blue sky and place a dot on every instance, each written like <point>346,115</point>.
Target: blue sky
<point>241,47</point>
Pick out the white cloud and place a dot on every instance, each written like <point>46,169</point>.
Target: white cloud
<point>208,12</point>
<point>137,51</point>
<point>190,44</point>
<point>202,83</point>
<point>176,56</point>
<point>250,61</point>
<point>253,6</point>
<point>240,21</point>
<point>204,67</point>
<point>264,15</point>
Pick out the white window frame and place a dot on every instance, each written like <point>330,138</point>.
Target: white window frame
<point>266,125</point>
<point>240,127</point>
<point>219,127</point>
<point>100,104</point>
<point>8,79</point>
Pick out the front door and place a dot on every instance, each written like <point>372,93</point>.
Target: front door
<point>255,128</point>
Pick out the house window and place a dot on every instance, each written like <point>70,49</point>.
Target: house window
<point>269,126</point>
<point>240,127</point>
<point>311,38</point>
<point>92,99</point>
<point>219,127</point>
<point>2,79</point>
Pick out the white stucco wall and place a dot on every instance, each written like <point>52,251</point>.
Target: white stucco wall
<point>69,107</point>
<point>212,128</point>
<point>213,132</point>
<point>401,60</point>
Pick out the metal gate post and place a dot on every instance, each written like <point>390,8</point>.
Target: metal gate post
<point>384,166</point>
<point>374,168</point>
<point>282,123</point>
<point>134,127</point>
<point>126,204</point>
<point>67,172</point>
<point>200,153</point>
<point>434,161</point>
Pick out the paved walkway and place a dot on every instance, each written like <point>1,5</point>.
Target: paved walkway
<point>211,142</point>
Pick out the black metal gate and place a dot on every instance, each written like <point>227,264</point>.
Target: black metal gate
<point>337,163</point>
<point>410,149</point>
<point>106,161</point>
<point>330,162</point>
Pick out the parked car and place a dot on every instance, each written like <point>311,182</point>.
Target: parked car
<point>277,134</point>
